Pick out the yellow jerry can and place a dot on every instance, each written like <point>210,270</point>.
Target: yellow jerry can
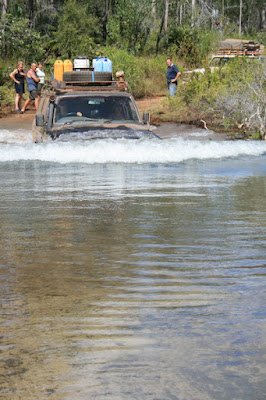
<point>68,66</point>
<point>58,70</point>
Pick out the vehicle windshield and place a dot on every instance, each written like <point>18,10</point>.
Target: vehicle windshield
<point>219,61</point>
<point>91,109</point>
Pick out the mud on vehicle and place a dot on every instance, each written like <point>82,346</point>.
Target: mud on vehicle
<point>89,105</point>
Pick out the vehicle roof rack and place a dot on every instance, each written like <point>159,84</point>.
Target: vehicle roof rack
<point>61,86</point>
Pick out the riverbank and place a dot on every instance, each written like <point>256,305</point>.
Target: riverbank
<point>165,112</point>
<point>166,130</point>
<point>167,119</point>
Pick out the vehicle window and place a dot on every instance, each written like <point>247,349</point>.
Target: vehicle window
<point>92,108</point>
<point>218,61</point>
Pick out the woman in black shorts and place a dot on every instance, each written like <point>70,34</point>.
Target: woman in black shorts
<point>18,77</point>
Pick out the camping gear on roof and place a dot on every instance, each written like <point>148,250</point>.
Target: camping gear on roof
<point>102,64</point>
<point>81,63</point>
<point>239,47</point>
<point>237,44</point>
<point>68,66</point>
<point>58,70</point>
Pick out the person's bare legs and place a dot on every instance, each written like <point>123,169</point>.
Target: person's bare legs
<point>27,102</point>
<point>20,100</point>
<point>17,101</point>
<point>36,103</point>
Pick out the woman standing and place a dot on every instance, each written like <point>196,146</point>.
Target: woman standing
<point>18,76</point>
<point>41,75</point>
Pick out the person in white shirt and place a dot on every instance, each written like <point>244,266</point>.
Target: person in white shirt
<point>41,75</point>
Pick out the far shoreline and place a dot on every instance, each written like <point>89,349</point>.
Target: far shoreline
<point>166,130</point>
<point>9,119</point>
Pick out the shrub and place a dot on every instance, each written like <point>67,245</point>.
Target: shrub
<point>245,98</point>
<point>146,76</point>
<point>76,31</point>
<point>193,46</point>
<point>19,41</point>
<point>236,91</point>
<point>7,95</point>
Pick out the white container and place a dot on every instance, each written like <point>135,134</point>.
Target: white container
<point>102,64</point>
<point>81,63</point>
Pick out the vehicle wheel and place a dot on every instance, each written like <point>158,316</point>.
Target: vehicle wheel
<point>102,76</point>
<point>77,76</point>
<point>87,76</point>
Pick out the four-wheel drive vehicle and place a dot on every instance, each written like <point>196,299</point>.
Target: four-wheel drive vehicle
<point>89,112</point>
<point>230,49</point>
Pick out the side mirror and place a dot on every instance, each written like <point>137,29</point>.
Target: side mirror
<point>146,118</point>
<point>39,119</point>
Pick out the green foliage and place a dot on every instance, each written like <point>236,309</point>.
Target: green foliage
<point>128,63</point>
<point>3,75</point>
<point>261,37</point>
<point>7,95</point>
<point>256,136</point>
<point>19,41</point>
<point>129,26</point>
<point>46,30</point>
<point>77,31</point>
<point>190,44</point>
<point>236,90</point>
<point>145,75</point>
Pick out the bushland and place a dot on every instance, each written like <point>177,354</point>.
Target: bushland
<point>138,36</point>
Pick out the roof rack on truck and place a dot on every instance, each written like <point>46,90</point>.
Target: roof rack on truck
<point>103,86</point>
<point>88,80</point>
<point>239,47</point>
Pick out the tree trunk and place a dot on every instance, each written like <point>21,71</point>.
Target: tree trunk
<point>159,36</point>
<point>166,14</point>
<point>31,10</point>
<point>240,16</point>
<point>263,18</point>
<point>193,7</point>
<point>153,9</point>
<point>4,8</point>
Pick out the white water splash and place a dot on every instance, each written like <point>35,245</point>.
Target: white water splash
<point>15,136</point>
<point>124,151</point>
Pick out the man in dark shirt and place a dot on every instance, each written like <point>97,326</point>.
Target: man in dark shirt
<point>172,75</point>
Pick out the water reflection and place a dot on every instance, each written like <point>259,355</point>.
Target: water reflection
<point>132,282</point>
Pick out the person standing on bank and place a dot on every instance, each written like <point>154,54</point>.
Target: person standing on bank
<point>41,75</point>
<point>32,81</point>
<point>172,75</point>
<point>18,76</point>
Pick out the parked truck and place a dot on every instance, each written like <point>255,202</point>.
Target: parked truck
<point>229,49</point>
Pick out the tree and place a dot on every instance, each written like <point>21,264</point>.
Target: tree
<point>77,31</point>
<point>19,40</point>
<point>4,8</point>
<point>129,24</point>
<point>240,16</point>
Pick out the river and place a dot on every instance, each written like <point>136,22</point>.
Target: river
<point>132,270</point>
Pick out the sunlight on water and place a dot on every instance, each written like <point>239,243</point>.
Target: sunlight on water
<point>132,270</point>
